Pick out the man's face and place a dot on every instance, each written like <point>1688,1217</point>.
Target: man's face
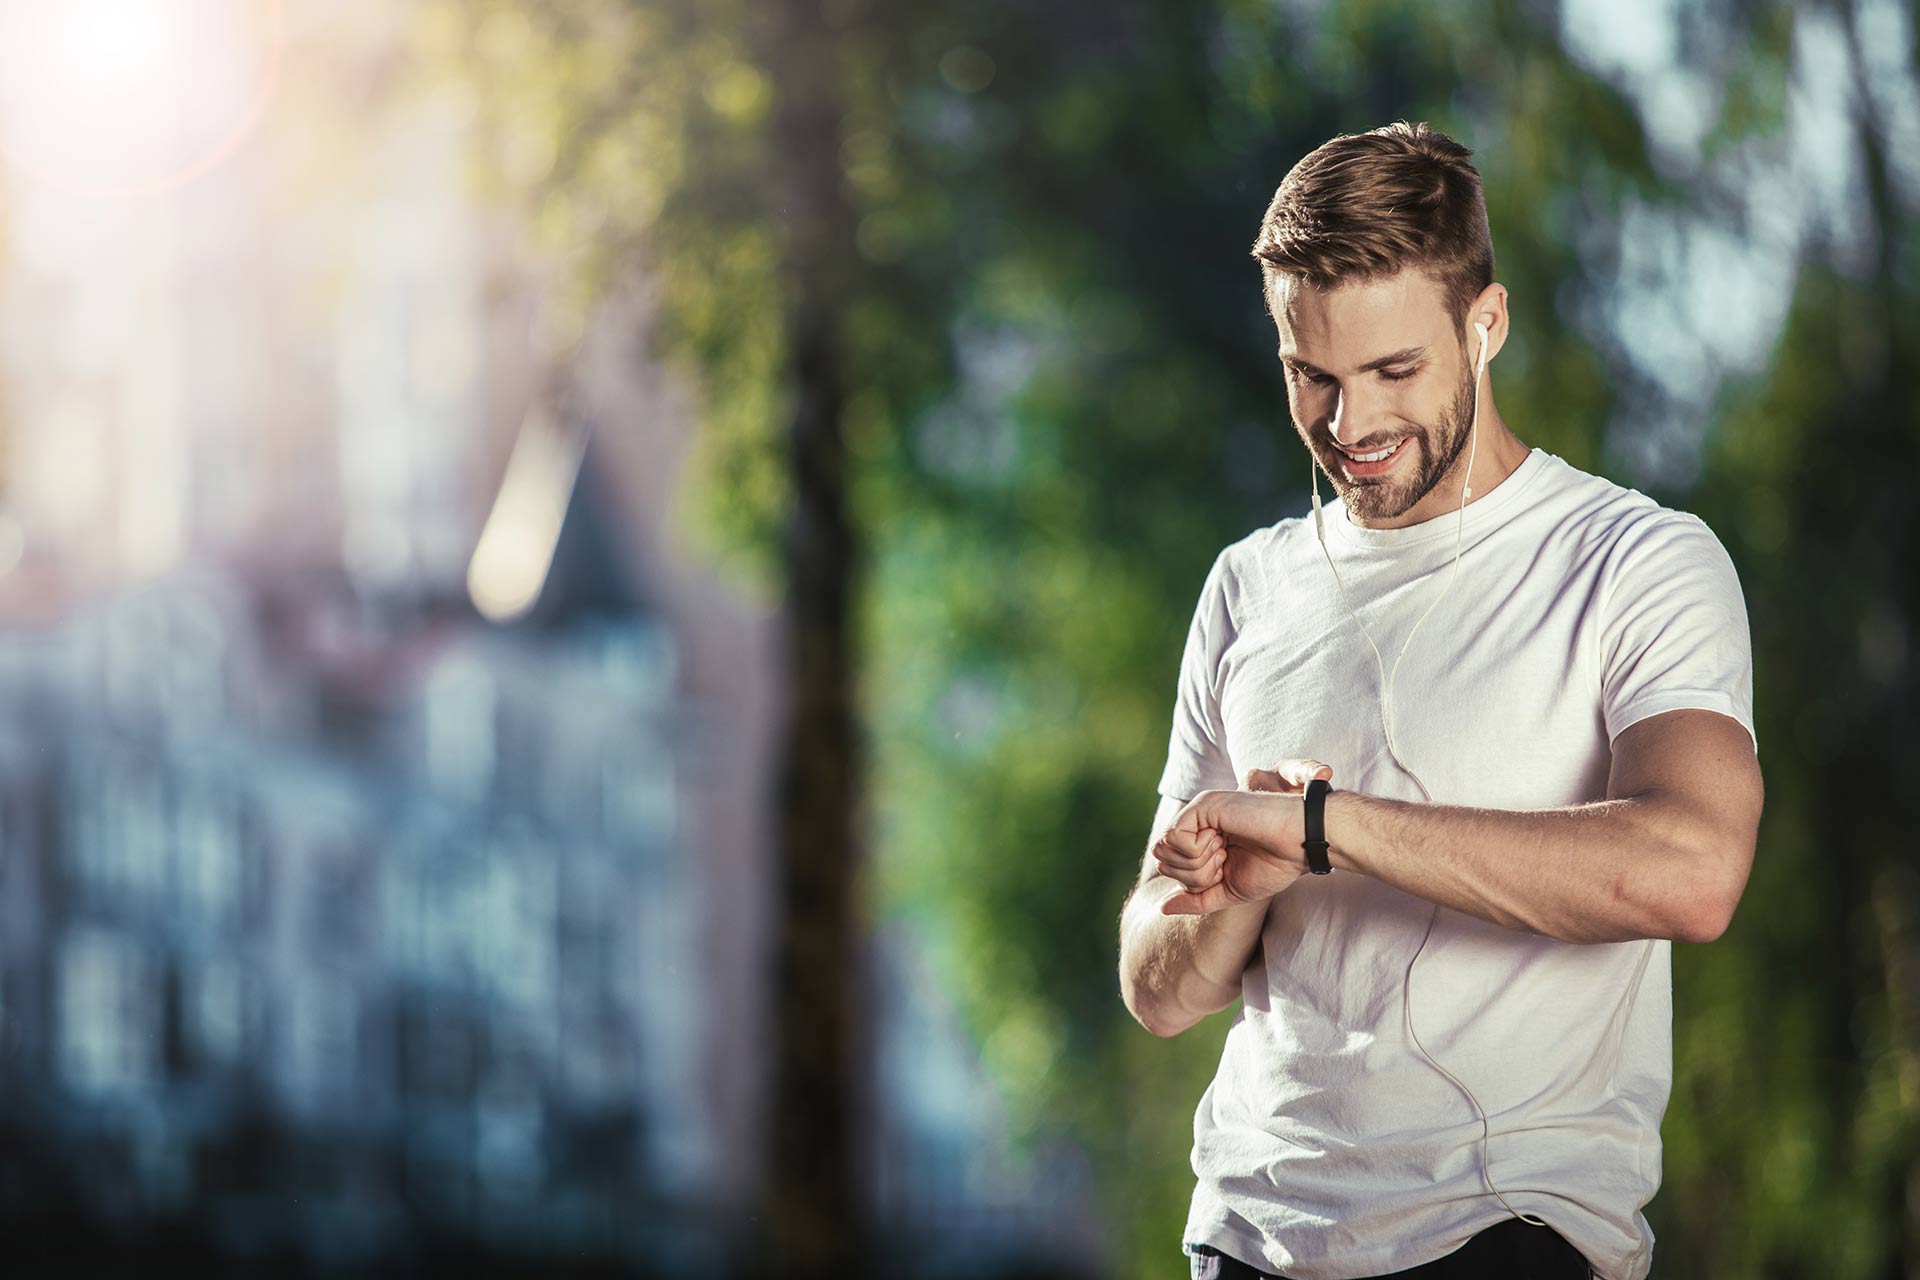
<point>1373,366</point>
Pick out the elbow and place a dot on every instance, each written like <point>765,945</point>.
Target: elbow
<point>1164,1028</point>
<point>1708,908</point>
<point>1151,1018</point>
<point>1714,852</point>
<point>1711,911</point>
<point>1151,1013</point>
<point>1703,922</point>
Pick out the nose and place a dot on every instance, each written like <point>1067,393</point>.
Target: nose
<point>1348,424</point>
<point>1343,418</point>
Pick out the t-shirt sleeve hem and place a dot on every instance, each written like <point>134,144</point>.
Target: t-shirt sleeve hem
<point>1184,785</point>
<point>1682,700</point>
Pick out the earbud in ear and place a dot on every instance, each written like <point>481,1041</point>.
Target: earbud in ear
<point>1480,367</point>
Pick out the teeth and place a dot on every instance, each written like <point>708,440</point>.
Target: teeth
<point>1371,457</point>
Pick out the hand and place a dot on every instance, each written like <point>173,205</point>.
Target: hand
<point>1229,847</point>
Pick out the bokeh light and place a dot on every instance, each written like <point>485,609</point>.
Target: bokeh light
<point>123,97</point>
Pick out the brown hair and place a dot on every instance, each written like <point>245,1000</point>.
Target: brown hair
<point>1365,206</point>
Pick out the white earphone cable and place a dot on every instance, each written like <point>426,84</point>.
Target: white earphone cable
<point>1386,705</point>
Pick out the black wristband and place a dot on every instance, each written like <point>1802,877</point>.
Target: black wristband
<point>1316,842</point>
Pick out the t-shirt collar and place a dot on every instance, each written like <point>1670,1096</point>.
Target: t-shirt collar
<point>1492,508</point>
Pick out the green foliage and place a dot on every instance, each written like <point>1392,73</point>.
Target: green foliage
<point>1062,403</point>
<point>634,138</point>
<point>1148,430</point>
<point>1797,1073</point>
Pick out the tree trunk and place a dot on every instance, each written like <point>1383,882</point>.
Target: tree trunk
<point>812,1212</point>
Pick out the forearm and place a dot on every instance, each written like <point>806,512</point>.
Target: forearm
<point>1175,970</point>
<point>1609,871</point>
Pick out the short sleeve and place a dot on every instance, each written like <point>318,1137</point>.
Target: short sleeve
<point>1197,758</point>
<point>1674,632</point>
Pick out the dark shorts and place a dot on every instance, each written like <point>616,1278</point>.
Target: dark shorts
<point>1513,1250</point>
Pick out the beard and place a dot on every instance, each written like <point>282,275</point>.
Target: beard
<point>1436,450</point>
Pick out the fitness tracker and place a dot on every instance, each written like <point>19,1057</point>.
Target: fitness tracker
<point>1316,842</point>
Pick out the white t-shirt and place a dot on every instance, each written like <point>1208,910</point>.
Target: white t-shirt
<point>1327,1146</point>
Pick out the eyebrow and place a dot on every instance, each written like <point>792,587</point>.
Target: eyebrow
<point>1398,357</point>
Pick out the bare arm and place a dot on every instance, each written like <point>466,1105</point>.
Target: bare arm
<point>1666,855</point>
<point>1177,969</point>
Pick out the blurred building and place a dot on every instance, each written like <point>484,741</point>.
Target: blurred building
<point>335,918</point>
<point>402,957</point>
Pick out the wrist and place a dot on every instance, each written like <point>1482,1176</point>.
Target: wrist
<point>1269,820</point>
<point>1342,812</point>
<point>1314,819</point>
<point>1272,821</point>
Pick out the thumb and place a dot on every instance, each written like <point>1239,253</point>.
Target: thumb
<point>1288,775</point>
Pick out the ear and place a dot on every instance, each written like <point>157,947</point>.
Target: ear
<point>1490,309</point>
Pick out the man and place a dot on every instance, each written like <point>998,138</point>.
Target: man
<point>1454,1048</point>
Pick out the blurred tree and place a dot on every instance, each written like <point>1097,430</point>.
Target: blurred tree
<point>1117,419</point>
<point>700,144</point>
<point>998,255</point>
<point>1791,1141</point>
<point>814,1201</point>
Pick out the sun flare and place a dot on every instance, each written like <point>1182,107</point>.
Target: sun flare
<point>131,96</point>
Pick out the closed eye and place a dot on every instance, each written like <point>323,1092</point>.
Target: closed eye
<point>1321,379</point>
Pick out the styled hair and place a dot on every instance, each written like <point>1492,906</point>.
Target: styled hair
<point>1368,205</point>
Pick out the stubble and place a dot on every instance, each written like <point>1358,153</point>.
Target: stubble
<point>1390,500</point>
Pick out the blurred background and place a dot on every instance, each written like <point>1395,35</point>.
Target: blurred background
<point>590,594</point>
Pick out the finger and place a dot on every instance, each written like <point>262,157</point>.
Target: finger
<point>1300,772</point>
<point>1189,881</point>
<point>1202,903</point>
<point>1192,874</point>
<point>1291,775</point>
<point>1185,848</point>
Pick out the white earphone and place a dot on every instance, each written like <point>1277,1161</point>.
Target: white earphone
<point>1386,711</point>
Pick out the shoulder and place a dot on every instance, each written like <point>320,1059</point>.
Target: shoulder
<point>1246,571</point>
<point>1623,525</point>
<point>1657,569</point>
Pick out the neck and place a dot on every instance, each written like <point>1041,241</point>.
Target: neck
<point>1498,453</point>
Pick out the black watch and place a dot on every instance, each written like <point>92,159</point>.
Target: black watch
<point>1316,842</point>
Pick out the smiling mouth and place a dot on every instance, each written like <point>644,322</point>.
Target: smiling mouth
<point>1381,463</point>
